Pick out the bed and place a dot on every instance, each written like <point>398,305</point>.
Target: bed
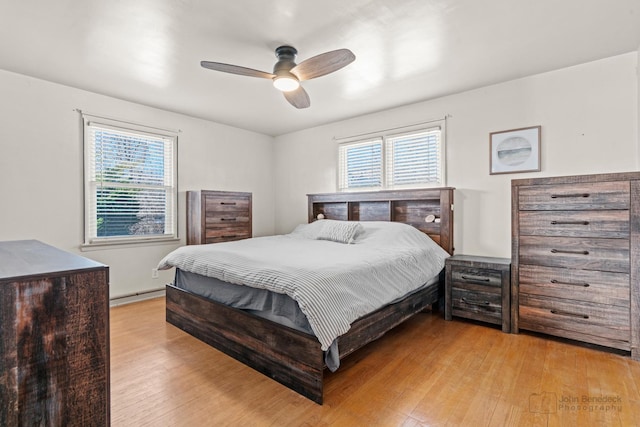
<point>294,356</point>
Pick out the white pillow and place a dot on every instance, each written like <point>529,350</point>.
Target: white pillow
<point>329,229</point>
<point>339,231</point>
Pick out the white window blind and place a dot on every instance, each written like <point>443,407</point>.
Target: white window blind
<point>360,164</point>
<point>414,158</point>
<point>130,190</point>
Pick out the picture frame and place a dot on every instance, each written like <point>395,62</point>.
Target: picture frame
<point>514,150</point>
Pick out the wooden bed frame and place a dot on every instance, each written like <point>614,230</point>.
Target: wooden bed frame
<point>294,358</point>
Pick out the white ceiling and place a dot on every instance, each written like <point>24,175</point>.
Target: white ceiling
<point>149,51</point>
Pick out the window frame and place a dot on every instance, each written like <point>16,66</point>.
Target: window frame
<point>384,137</point>
<point>91,239</point>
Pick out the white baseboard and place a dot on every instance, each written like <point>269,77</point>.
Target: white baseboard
<point>128,299</point>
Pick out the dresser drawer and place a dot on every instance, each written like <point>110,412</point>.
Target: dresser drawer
<point>481,276</point>
<point>228,219</point>
<point>223,239</point>
<point>579,253</point>
<point>226,238</point>
<point>484,305</point>
<point>581,285</point>
<point>575,196</point>
<point>595,323</point>
<point>589,223</point>
<point>230,233</point>
<point>215,205</point>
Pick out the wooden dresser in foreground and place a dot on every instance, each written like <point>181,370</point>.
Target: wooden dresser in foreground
<point>54,337</point>
<point>478,288</point>
<point>218,216</point>
<point>576,258</point>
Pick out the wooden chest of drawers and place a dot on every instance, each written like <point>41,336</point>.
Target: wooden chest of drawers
<point>54,337</point>
<point>218,216</point>
<point>478,288</point>
<point>575,258</point>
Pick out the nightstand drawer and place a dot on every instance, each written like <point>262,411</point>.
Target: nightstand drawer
<point>476,304</point>
<point>481,276</point>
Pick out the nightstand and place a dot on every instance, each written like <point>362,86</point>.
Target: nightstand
<point>478,288</point>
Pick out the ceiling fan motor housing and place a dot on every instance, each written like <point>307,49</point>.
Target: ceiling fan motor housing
<point>286,61</point>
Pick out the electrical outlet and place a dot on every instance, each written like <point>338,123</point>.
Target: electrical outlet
<point>154,273</point>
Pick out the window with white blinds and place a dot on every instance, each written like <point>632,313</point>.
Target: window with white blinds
<point>130,183</point>
<point>361,164</point>
<point>413,159</point>
<point>409,159</point>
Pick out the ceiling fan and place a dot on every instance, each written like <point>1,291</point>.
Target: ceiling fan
<point>287,75</point>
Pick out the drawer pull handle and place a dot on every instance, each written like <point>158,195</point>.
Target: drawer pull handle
<point>567,313</point>
<point>227,219</point>
<point>228,203</point>
<point>558,251</point>
<point>479,303</point>
<point>230,236</point>
<point>556,196</point>
<point>569,222</point>
<point>478,279</point>
<point>584,285</point>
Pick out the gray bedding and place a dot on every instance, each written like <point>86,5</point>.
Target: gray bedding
<point>279,308</point>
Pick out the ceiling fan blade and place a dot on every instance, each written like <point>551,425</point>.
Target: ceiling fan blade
<point>299,98</point>
<point>235,69</point>
<point>323,64</point>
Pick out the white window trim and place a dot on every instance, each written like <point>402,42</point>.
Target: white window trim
<point>91,241</point>
<point>390,133</point>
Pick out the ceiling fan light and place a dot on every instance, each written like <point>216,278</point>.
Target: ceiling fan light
<point>286,84</point>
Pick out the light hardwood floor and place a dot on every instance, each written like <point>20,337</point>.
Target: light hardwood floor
<point>426,372</point>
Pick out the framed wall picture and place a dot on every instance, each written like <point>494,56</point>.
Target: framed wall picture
<point>515,150</point>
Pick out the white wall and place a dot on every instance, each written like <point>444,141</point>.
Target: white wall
<point>588,114</point>
<point>41,187</point>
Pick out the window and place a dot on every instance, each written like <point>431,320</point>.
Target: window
<point>130,182</point>
<point>361,164</point>
<point>414,158</point>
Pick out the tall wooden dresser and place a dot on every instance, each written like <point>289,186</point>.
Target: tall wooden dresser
<point>576,258</point>
<point>54,337</point>
<point>218,216</point>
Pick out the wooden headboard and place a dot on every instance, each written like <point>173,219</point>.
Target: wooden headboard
<point>407,206</point>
